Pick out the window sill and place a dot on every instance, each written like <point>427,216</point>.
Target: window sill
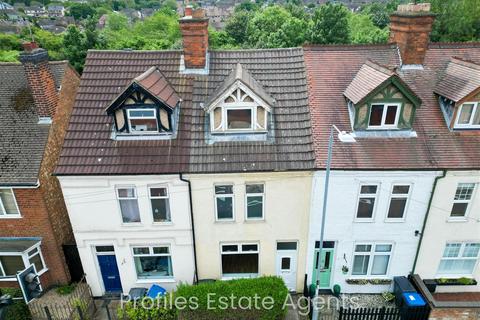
<point>225,221</point>
<point>132,224</point>
<point>10,216</point>
<point>365,220</point>
<point>160,224</point>
<point>157,280</point>
<point>400,220</point>
<point>459,219</point>
<point>252,220</point>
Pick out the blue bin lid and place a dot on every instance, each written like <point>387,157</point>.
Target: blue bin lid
<point>155,291</point>
<point>413,299</point>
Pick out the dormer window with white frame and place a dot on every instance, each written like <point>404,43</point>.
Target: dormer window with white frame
<point>240,105</point>
<point>384,116</point>
<point>142,120</point>
<point>468,116</point>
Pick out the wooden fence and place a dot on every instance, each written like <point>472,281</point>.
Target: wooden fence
<point>384,314</point>
<point>78,306</point>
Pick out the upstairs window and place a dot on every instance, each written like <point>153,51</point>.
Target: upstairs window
<point>366,202</point>
<point>8,204</point>
<point>224,202</point>
<point>127,199</point>
<point>398,202</point>
<point>255,201</point>
<point>384,116</point>
<point>160,204</point>
<point>461,201</point>
<point>468,116</point>
<point>142,120</point>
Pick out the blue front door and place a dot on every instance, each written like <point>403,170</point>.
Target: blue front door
<point>110,274</point>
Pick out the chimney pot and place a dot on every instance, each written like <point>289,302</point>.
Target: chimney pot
<point>188,11</point>
<point>29,46</point>
<point>410,28</point>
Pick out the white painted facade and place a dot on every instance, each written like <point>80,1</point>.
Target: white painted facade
<point>286,218</point>
<point>96,220</point>
<point>342,227</point>
<point>441,228</point>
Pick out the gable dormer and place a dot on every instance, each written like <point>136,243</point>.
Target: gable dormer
<point>459,94</point>
<point>379,100</point>
<point>147,107</point>
<point>240,105</point>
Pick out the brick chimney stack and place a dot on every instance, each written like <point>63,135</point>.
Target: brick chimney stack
<point>410,28</point>
<point>194,28</point>
<point>40,80</point>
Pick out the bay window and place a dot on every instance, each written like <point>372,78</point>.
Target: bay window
<point>459,258</point>
<point>153,262</point>
<point>371,259</point>
<point>12,262</point>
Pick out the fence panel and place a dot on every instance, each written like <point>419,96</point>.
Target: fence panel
<point>384,314</point>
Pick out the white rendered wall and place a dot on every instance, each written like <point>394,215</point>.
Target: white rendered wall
<point>342,228</point>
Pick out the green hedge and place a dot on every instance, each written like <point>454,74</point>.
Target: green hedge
<point>132,311</point>
<point>247,289</point>
<point>18,310</point>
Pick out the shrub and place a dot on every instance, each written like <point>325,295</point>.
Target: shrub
<point>18,310</point>
<point>220,299</point>
<point>66,289</point>
<point>161,310</point>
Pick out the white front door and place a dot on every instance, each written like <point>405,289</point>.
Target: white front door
<point>287,263</point>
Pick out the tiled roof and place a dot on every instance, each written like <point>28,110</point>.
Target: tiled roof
<point>89,149</point>
<point>461,78</point>
<point>370,76</point>
<point>241,74</point>
<point>331,69</point>
<point>155,82</point>
<point>22,139</point>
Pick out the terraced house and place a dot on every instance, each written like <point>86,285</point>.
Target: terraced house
<point>403,197</point>
<point>193,164</point>
<point>36,98</point>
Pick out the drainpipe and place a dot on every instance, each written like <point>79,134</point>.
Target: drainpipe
<point>193,224</point>
<point>426,218</point>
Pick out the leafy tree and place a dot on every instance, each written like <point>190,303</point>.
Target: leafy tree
<point>275,27</point>
<point>75,47</point>
<point>330,24</point>
<point>220,40</point>
<point>363,30</point>
<point>247,6</point>
<point>81,11</point>
<point>9,55</point>
<point>170,4</point>
<point>378,13</point>
<point>236,26</point>
<point>9,42</point>
<point>47,40</point>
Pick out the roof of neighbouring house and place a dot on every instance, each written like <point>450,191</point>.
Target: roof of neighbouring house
<point>89,149</point>
<point>460,79</point>
<point>22,139</point>
<point>330,71</point>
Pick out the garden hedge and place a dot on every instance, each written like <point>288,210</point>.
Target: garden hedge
<point>18,310</point>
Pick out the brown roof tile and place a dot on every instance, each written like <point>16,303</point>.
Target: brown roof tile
<point>330,70</point>
<point>460,79</point>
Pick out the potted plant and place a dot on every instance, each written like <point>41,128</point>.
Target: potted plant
<point>344,269</point>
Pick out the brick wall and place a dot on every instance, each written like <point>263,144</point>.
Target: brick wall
<point>195,39</point>
<point>455,314</point>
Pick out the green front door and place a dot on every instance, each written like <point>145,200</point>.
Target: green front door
<point>323,268</point>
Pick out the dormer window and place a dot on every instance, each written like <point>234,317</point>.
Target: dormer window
<point>468,116</point>
<point>384,116</point>
<point>459,94</point>
<point>378,100</point>
<point>147,108</point>
<point>142,120</point>
<point>239,106</point>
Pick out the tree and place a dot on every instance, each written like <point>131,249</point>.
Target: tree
<point>378,13</point>
<point>9,42</point>
<point>236,26</point>
<point>275,27</point>
<point>220,40</point>
<point>330,24</point>
<point>362,30</point>
<point>75,48</point>
<point>81,11</point>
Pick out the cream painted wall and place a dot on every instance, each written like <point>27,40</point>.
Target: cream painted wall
<point>96,220</point>
<point>287,208</point>
<point>440,228</point>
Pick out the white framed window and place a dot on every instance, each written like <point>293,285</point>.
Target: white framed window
<point>459,258</point>
<point>128,202</point>
<point>238,112</point>
<point>255,201</point>
<point>240,260</point>
<point>398,201</point>
<point>224,202</point>
<point>468,116</point>
<point>371,259</point>
<point>12,262</point>
<point>8,204</point>
<point>153,262</point>
<point>384,116</point>
<point>462,199</point>
<point>367,199</point>
<point>160,204</point>
<point>142,120</point>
